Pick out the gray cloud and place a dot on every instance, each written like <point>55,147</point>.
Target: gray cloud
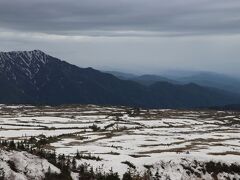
<point>135,54</point>
<point>122,17</point>
<point>142,36</point>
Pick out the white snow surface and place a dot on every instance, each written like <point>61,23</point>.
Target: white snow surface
<point>27,166</point>
<point>157,138</point>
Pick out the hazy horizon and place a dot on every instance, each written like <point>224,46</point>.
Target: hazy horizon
<point>181,72</point>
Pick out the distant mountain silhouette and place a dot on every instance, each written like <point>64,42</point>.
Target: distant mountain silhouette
<point>216,80</point>
<point>230,107</point>
<point>207,79</point>
<point>122,75</point>
<point>37,78</point>
<point>146,79</point>
<point>151,79</point>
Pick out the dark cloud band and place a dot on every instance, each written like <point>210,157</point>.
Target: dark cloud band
<point>123,17</point>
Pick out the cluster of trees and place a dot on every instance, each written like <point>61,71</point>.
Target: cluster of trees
<point>11,145</point>
<point>95,128</point>
<point>69,164</point>
<point>2,174</point>
<point>89,156</point>
<point>133,112</point>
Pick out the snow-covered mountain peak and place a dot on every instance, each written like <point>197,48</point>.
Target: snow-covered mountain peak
<point>26,62</point>
<point>26,57</point>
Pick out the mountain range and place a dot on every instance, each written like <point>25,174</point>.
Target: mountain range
<point>207,79</point>
<point>34,77</point>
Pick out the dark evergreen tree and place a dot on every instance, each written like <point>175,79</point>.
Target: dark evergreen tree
<point>12,145</point>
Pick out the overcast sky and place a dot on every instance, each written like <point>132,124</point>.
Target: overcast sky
<point>139,36</point>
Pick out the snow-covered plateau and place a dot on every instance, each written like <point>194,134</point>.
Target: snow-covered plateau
<point>174,144</point>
